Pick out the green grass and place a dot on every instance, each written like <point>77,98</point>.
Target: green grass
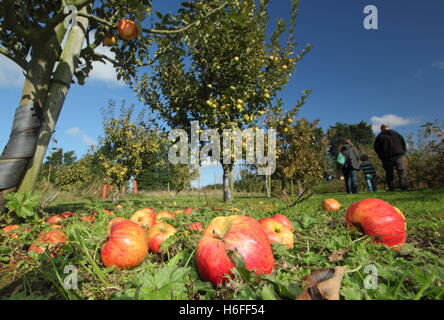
<point>417,272</point>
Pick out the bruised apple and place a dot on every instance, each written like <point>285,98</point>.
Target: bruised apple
<point>242,233</point>
<point>53,237</point>
<point>144,217</point>
<point>284,220</point>
<point>157,234</point>
<point>8,230</point>
<point>379,219</point>
<point>165,215</point>
<point>126,247</point>
<point>331,204</point>
<point>277,232</point>
<point>55,219</point>
<point>187,212</point>
<point>196,226</point>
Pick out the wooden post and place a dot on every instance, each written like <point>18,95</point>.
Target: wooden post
<point>135,190</point>
<point>104,192</point>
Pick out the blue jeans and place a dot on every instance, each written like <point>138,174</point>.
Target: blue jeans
<point>371,185</point>
<point>351,180</point>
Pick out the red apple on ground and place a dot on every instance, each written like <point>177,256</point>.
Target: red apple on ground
<point>196,226</point>
<point>284,220</point>
<point>331,204</point>
<point>277,232</point>
<point>157,234</point>
<point>188,212</point>
<point>127,29</point>
<point>242,233</point>
<point>145,217</point>
<point>55,219</point>
<point>126,247</point>
<point>9,231</point>
<point>113,221</point>
<point>67,214</point>
<point>379,219</point>
<point>109,213</point>
<point>165,215</point>
<point>52,237</point>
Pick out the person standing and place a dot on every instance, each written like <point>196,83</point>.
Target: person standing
<point>369,172</point>
<point>391,147</point>
<point>350,167</point>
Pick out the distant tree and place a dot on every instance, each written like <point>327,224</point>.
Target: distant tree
<point>76,175</point>
<point>301,149</point>
<point>158,173</point>
<point>126,143</point>
<point>54,162</point>
<point>361,134</point>
<point>425,156</point>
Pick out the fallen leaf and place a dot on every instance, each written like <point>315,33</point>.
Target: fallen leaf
<point>323,284</point>
<point>338,255</point>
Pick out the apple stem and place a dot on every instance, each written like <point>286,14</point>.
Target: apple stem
<point>218,235</point>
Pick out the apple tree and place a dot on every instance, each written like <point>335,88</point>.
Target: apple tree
<point>225,73</point>
<point>55,44</point>
<point>127,143</point>
<point>301,148</point>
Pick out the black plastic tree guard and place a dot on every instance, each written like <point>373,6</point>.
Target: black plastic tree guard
<point>20,147</point>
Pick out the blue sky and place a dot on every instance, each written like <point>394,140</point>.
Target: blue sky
<point>395,73</point>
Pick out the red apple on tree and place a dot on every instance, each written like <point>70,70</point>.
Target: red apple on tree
<point>284,220</point>
<point>127,29</point>
<point>145,217</point>
<point>277,232</point>
<point>157,234</point>
<point>331,204</point>
<point>126,247</point>
<point>242,233</point>
<point>379,219</point>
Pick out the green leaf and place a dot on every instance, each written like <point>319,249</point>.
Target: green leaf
<point>268,293</point>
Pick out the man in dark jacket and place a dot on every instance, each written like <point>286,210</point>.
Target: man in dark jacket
<point>390,147</point>
<point>351,167</point>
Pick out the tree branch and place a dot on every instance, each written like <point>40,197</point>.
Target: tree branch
<point>179,30</point>
<point>12,23</point>
<point>21,62</point>
<point>102,21</point>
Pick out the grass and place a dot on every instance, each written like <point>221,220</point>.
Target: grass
<point>417,272</point>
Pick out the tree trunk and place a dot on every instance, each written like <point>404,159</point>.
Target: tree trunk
<point>284,185</point>
<point>58,90</point>
<point>27,121</point>
<point>226,182</point>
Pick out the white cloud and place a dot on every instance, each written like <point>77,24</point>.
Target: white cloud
<point>11,75</point>
<point>391,119</point>
<point>77,132</point>
<point>438,64</point>
<point>105,72</point>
